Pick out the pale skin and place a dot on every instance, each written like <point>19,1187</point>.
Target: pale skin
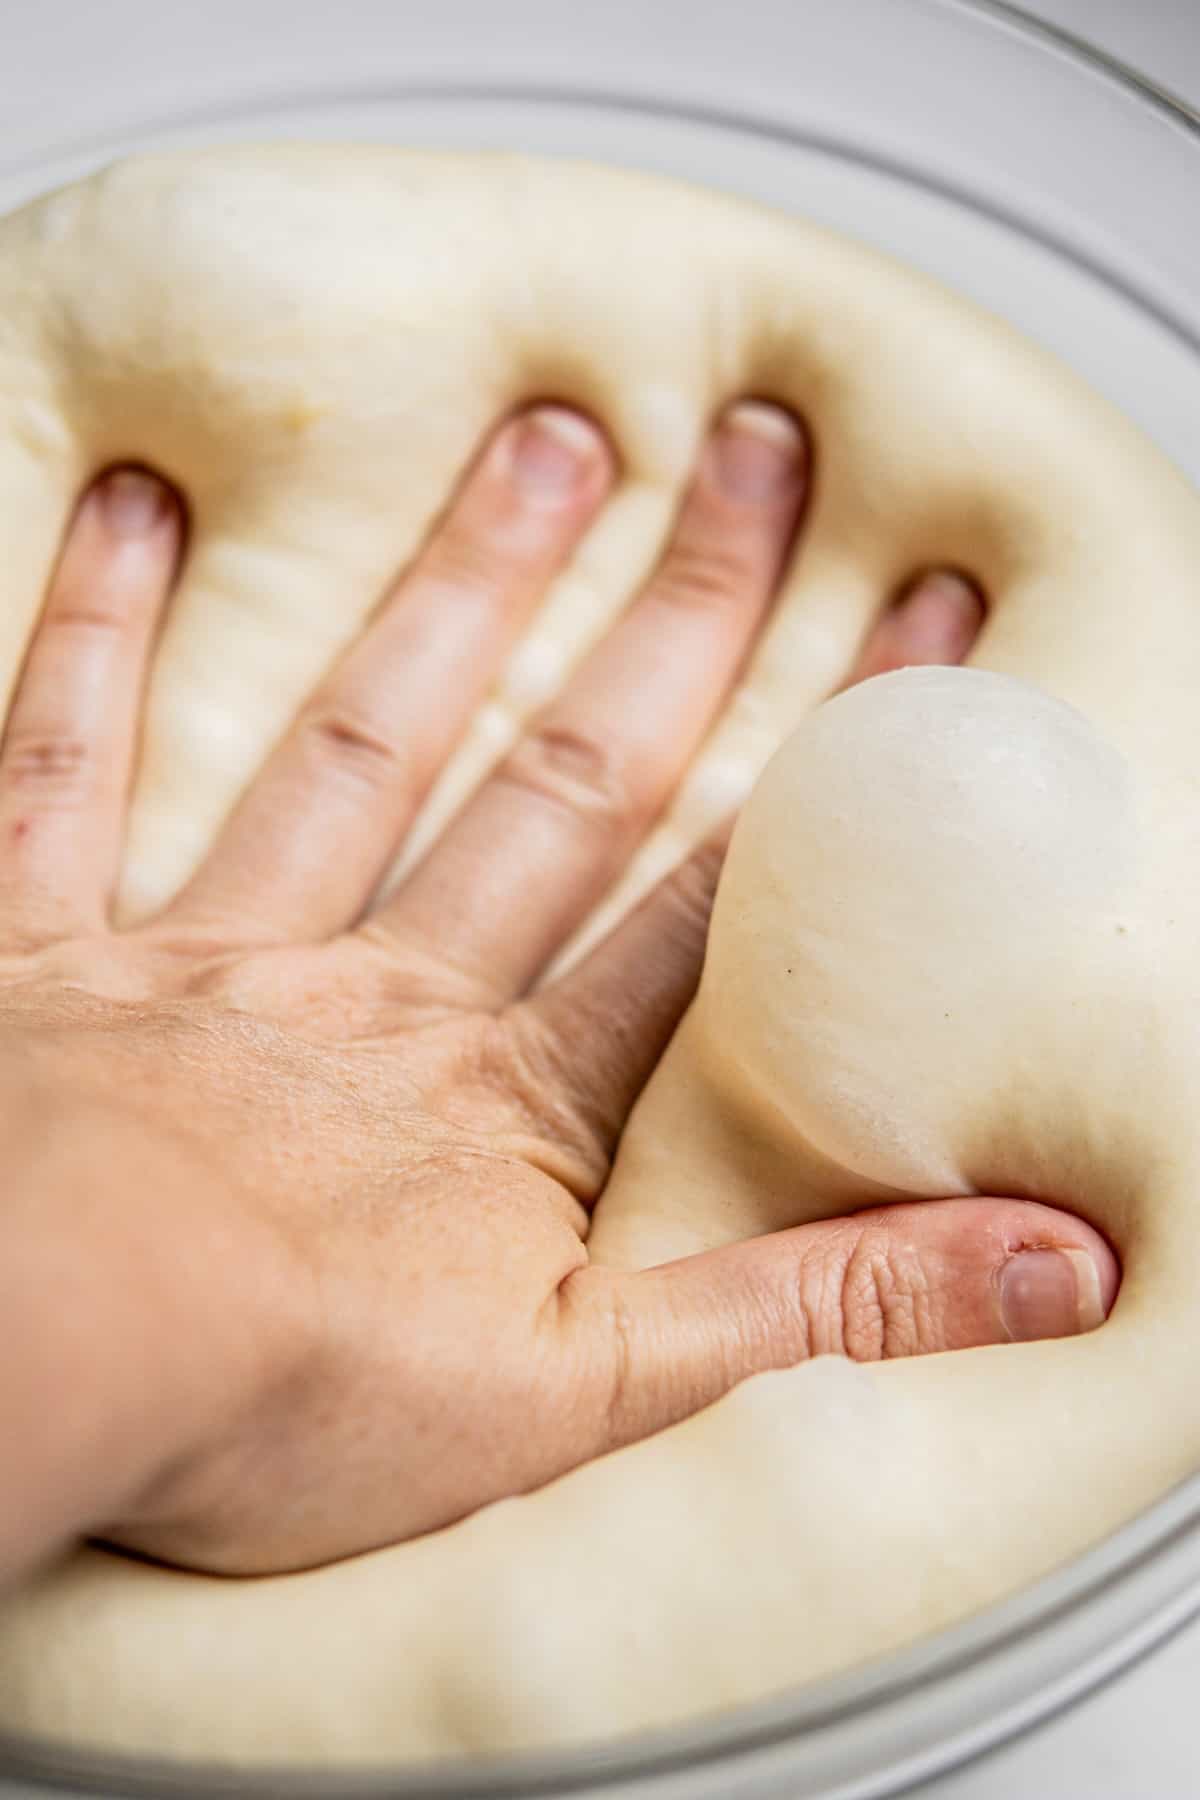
<point>293,1236</point>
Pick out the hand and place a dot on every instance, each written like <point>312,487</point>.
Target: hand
<point>306,1181</point>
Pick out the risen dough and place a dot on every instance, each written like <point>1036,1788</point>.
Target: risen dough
<point>953,950</point>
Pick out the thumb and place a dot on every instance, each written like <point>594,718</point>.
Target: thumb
<point>898,1280</point>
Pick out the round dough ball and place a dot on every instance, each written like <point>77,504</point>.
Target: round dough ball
<point>926,877</point>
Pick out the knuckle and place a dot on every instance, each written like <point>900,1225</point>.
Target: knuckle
<point>883,1301</point>
<point>231,983</point>
<point>702,574</point>
<point>575,770</point>
<point>47,760</point>
<point>104,967</point>
<point>347,742</point>
<point>85,618</point>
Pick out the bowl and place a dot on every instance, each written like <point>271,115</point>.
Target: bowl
<point>1035,176</point>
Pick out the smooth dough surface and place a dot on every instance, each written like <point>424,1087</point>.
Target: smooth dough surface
<point>954,950</point>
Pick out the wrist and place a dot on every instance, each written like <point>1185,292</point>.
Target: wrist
<point>130,1354</point>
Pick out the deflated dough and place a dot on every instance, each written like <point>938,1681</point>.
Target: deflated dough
<point>953,950</point>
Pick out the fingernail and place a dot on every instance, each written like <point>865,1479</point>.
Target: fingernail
<point>935,620</point>
<point>758,452</point>
<point>951,585</point>
<point>553,448</point>
<point>134,503</point>
<point>1050,1293</point>
<point>947,588</point>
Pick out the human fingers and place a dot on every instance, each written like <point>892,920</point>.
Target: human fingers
<point>72,730</point>
<point>316,830</point>
<point>543,838</point>
<point>902,1280</point>
<point>936,619</point>
<point>609,1020</point>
